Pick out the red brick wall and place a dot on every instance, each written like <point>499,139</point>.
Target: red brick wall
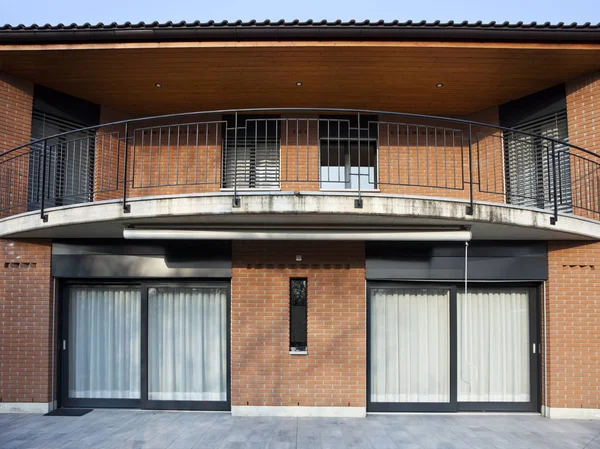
<point>16,102</point>
<point>166,160</point>
<point>583,114</point>
<point>573,320</point>
<point>263,372</point>
<point>433,158</point>
<point>25,321</point>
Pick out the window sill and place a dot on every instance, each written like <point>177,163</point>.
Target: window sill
<point>350,190</point>
<point>298,352</point>
<point>251,189</point>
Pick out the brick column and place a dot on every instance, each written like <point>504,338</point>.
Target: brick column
<point>16,102</point>
<point>26,326</point>
<point>583,114</point>
<point>573,330</point>
<point>263,372</point>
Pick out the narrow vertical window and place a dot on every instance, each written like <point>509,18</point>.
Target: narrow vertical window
<point>298,303</point>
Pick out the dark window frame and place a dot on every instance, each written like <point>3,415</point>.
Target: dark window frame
<point>251,143</point>
<point>298,344</point>
<point>143,402</point>
<point>535,336</point>
<point>344,133</point>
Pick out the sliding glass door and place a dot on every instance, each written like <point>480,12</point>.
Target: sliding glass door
<point>104,346</point>
<point>149,346</point>
<point>187,347</point>
<point>431,348</point>
<point>410,348</point>
<point>495,348</point>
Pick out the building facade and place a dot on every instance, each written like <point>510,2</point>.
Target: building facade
<point>301,218</point>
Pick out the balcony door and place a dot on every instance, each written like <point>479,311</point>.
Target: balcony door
<point>149,346</point>
<point>433,348</point>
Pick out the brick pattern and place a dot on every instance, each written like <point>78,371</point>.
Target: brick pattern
<point>583,111</point>
<point>583,114</point>
<point>16,102</point>
<point>263,372</point>
<point>25,321</point>
<point>573,320</point>
<point>429,160</point>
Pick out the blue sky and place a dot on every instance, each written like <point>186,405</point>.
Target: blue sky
<point>107,11</point>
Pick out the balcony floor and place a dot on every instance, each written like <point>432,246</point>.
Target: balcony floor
<point>180,430</point>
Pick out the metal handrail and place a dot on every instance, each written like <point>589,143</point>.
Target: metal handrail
<point>315,110</point>
<point>543,165</point>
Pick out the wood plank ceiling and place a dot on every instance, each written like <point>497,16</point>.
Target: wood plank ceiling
<point>376,76</point>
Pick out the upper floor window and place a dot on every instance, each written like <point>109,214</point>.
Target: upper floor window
<point>528,159</point>
<point>348,158</point>
<point>251,153</point>
<point>69,159</point>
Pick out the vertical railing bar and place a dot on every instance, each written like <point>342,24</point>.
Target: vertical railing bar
<point>560,195</point>
<point>387,127</point>
<point>408,153</point>
<point>555,218</point>
<point>158,155</point>
<point>168,155</point>
<point>218,126</point>
<point>43,216</point>
<point>126,207</point>
<point>445,159</point>
<point>427,156</point>
<point>503,166</point>
<point>79,170</point>
<point>454,158</point>
<point>359,202</point>
<point>187,154</point>
<point>143,138</point>
<point>278,150</point>
<point>435,145</point>
<point>495,169</point>
<point>478,152</point>
<point>118,134</point>
<point>284,170</point>
<point>418,155</point>
<point>198,152</point>
<point>549,169</point>
<point>236,202</point>
<point>471,205</point>
<point>398,153</point>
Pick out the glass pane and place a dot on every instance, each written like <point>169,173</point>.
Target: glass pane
<point>104,342</point>
<point>342,163</point>
<point>410,349</point>
<point>187,344</point>
<point>493,345</point>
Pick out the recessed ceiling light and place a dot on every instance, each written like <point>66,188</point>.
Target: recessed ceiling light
<point>438,85</point>
<point>298,83</point>
<point>158,85</point>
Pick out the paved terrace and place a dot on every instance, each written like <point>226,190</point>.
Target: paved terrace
<point>103,429</point>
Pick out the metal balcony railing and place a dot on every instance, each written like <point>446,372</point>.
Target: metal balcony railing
<point>297,150</point>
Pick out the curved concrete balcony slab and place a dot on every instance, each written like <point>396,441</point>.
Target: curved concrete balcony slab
<point>301,209</point>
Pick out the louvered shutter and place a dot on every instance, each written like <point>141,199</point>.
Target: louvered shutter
<point>529,164</point>
<point>252,161</point>
<point>69,162</point>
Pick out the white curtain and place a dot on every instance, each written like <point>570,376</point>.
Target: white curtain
<point>410,345</point>
<point>187,344</point>
<point>493,345</point>
<point>104,342</point>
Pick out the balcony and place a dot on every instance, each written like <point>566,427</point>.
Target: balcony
<point>238,154</point>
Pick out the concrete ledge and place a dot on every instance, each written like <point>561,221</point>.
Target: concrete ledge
<point>571,413</point>
<point>107,219</point>
<point>27,407</point>
<point>321,412</point>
